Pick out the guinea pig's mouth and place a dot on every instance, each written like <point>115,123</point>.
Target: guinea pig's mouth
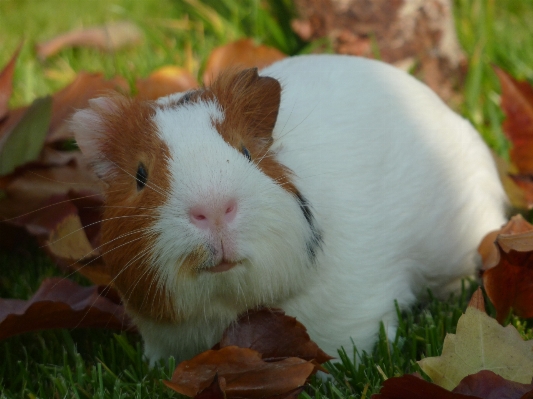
<point>223,266</point>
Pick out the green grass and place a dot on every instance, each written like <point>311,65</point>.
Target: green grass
<point>102,364</point>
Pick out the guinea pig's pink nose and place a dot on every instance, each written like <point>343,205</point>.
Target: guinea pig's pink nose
<point>207,216</point>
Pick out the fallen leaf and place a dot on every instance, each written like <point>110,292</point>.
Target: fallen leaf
<point>24,142</point>
<point>484,385</point>
<point>25,191</point>
<point>477,301</point>
<point>214,391</point>
<point>243,53</point>
<point>67,227</point>
<point>76,96</point>
<point>165,81</point>
<point>245,373</point>
<point>61,303</point>
<point>519,197</point>
<point>508,269</point>
<point>109,37</point>
<point>411,387</point>
<point>517,103</point>
<point>488,385</point>
<point>6,83</point>
<point>480,343</point>
<point>274,335</point>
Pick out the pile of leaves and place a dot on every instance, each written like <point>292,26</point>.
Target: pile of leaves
<point>47,192</point>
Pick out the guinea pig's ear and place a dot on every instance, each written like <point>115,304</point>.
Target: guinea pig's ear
<point>90,132</point>
<point>250,101</point>
<point>262,95</point>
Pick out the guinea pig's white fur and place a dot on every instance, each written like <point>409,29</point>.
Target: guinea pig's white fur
<point>394,193</point>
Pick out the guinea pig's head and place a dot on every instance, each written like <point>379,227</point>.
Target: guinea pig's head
<point>200,219</point>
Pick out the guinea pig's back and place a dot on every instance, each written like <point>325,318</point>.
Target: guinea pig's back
<point>396,179</point>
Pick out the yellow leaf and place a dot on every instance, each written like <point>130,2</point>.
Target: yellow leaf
<point>481,344</point>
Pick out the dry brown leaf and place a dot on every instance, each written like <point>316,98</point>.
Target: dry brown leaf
<point>61,303</point>
<point>165,81</point>
<point>6,83</point>
<point>109,37</point>
<point>243,53</point>
<point>245,373</point>
<point>67,227</point>
<point>519,197</point>
<point>27,189</point>
<point>274,335</point>
<point>480,343</point>
<point>214,391</point>
<point>508,268</point>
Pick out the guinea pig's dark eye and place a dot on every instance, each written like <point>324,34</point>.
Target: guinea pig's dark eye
<point>246,153</point>
<point>142,177</point>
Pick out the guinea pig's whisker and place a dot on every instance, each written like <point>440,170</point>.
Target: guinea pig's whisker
<point>296,126</point>
<point>109,242</point>
<point>129,292</point>
<point>130,207</point>
<point>108,286</point>
<point>54,204</point>
<point>289,118</point>
<point>99,256</point>
<point>92,224</point>
<point>130,262</point>
<point>58,181</point>
<point>152,283</point>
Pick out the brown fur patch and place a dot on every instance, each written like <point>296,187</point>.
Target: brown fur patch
<point>250,104</point>
<point>193,261</point>
<point>130,139</point>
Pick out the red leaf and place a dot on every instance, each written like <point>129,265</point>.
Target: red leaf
<point>245,373</point>
<point>274,335</point>
<point>61,303</point>
<point>509,284</point>
<point>214,391</point>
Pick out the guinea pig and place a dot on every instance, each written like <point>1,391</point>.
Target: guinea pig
<point>328,186</point>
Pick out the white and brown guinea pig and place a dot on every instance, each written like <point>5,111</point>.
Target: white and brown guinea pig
<point>326,185</point>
